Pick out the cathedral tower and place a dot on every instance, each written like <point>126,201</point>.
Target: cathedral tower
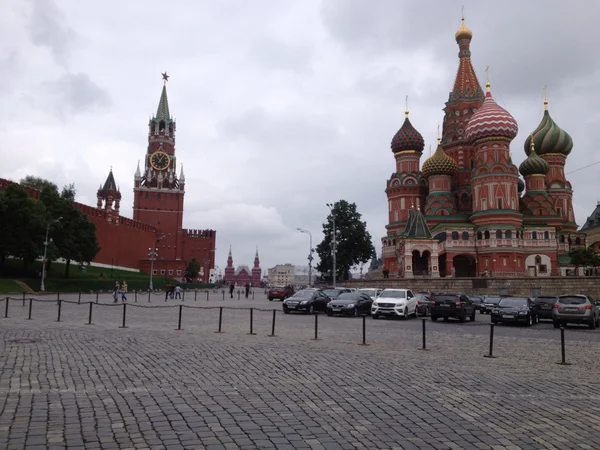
<point>158,192</point>
<point>256,270</point>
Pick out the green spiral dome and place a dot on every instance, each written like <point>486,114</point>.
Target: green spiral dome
<point>533,165</point>
<point>549,137</point>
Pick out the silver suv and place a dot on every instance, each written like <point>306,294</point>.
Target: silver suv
<point>575,309</point>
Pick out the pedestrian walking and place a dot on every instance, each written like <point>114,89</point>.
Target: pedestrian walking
<point>231,288</point>
<point>247,289</point>
<point>116,290</point>
<point>172,291</point>
<point>177,291</point>
<point>167,290</point>
<point>124,292</point>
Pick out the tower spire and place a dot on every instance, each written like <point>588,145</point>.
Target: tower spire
<point>406,106</point>
<point>488,85</point>
<point>163,105</point>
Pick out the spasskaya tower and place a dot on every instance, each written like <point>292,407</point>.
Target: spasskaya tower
<point>158,191</point>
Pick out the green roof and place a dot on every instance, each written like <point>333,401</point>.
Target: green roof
<point>162,113</point>
<point>416,227</point>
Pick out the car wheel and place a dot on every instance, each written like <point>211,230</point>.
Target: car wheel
<point>556,324</point>
<point>329,313</point>
<point>426,313</point>
<point>473,316</point>
<point>270,299</point>
<point>311,309</point>
<point>446,319</point>
<point>405,316</point>
<point>433,318</point>
<point>375,316</point>
<point>356,314</point>
<point>592,325</point>
<point>529,320</point>
<point>416,312</point>
<point>285,311</point>
<point>463,316</point>
<point>495,322</point>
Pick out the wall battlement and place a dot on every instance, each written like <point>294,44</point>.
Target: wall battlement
<point>203,234</point>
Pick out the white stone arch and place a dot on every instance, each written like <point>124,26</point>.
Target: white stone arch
<point>538,265</point>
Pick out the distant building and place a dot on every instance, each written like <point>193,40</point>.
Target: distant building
<point>592,228</point>
<point>243,274</point>
<point>282,275</point>
<point>301,276</point>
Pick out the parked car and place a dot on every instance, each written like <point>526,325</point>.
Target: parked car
<point>543,306</point>
<point>306,300</point>
<point>333,293</point>
<point>423,303</point>
<point>458,306</point>
<point>395,303</point>
<point>371,292</point>
<point>575,309</point>
<point>515,310</point>
<point>477,302</point>
<point>489,303</point>
<point>350,304</point>
<point>280,292</point>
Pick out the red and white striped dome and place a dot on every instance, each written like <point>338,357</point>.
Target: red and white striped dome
<point>491,120</point>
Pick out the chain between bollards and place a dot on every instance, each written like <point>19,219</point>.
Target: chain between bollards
<point>316,338</point>
<point>364,330</point>
<point>252,322</point>
<point>273,324</point>
<point>563,361</point>
<point>124,315</point>
<point>491,353</point>
<point>424,335</point>
<point>180,314</point>
<point>59,309</point>
<point>6,308</point>
<point>30,308</point>
<point>220,319</point>
<point>90,314</point>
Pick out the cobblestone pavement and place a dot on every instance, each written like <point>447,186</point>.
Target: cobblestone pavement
<point>71,385</point>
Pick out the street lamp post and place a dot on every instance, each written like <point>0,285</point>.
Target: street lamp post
<point>310,256</point>
<point>333,243</point>
<point>46,242</point>
<point>152,254</point>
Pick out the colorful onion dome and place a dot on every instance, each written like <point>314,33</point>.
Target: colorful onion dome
<point>520,186</point>
<point>491,121</point>
<point>549,137</point>
<point>463,32</point>
<point>439,164</point>
<point>533,165</point>
<point>407,138</point>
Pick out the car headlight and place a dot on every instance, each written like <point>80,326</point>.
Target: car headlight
<point>400,305</point>
<point>304,302</point>
<point>495,311</point>
<point>375,305</point>
<point>351,305</point>
<point>522,313</point>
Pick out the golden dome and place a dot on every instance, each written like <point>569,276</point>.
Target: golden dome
<point>463,32</point>
<point>439,164</point>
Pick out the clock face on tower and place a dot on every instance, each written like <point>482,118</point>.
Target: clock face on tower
<point>159,160</point>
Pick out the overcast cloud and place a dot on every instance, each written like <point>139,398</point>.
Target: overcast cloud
<point>280,106</point>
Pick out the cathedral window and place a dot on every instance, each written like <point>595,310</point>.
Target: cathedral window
<point>162,272</point>
<point>498,234</point>
<point>487,234</point>
<point>538,259</point>
<point>465,236</point>
<point>170,272</point>
<point>500,205</point>
<point>546,235</point>
<point>483,204</point>
<point>161,125</point>
<point>534,235</point>
<point>578,241</point>
<point>561,239</point>
<point>508,234</point>
<point>479,235</point>
<point>455,235</point>
<point>179,272</point>
<point>154,272</point>
<point>559,211</point>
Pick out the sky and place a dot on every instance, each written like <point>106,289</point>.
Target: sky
<point>281,106</point>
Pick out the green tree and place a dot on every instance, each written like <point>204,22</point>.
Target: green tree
<point>22,225</point>
<point>192,270</point>
<point>37,183</point>
<point>353,241</point>
<point>584,256</point>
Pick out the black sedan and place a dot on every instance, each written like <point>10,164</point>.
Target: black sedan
<point>334,293</point>
<point>515,310</point>
<point>543,306</point>
<point>423,303</point>
<point>350,304</point>
<point>307,301</point>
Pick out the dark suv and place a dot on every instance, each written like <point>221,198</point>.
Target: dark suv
<point>458,306</point>
<point>543,306</point>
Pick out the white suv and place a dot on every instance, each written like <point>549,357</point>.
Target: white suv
<point>395,302</point>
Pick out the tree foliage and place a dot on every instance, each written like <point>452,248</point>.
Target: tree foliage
<point>192,270</point>
<point>353,241</point>
<point>24,221</point>
<point>584,256</point>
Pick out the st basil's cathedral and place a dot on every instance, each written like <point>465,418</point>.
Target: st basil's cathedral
<point>466,212</point>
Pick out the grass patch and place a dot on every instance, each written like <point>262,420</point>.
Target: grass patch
<point>7,286</point>
<point>90,279</point>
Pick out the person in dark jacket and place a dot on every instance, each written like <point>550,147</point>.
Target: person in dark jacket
<point>247,289</point>
<point>231,288</point>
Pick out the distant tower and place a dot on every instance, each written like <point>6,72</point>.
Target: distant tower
<point>109,197</point>
<point>229,270</point>
<point>256,270</point>
<point>439,170</point>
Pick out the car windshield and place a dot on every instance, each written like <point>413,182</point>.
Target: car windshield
<point>393,294</point>
<point>446,298</point>
<point>348,296</point>
<point>370,292</point>
<point>332,293</point>
<point>548,300</point>
<point>302,294</point>
<point>568,300</point>
<point>512,301</point>
<point>493,300</point>
<point>421,295</point>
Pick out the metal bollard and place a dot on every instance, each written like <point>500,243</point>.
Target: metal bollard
<point>124,315</point>
<point>273,324</point>
<point>424,335</point>
<point>180,314</point>
<point>59,308</point>
<point>491,353</point>
<point>183,295</point>
<point>220,319</point>
<point>23,298</point>
<point>58,296</point>
<point>207,296</point>
<point>252,295</point>
<point>223,294</point>
<point>6,308</point>
<point>96,296</point>
<point>90,315</point>
<point>364,330</point>
<point>135,295</point>
<point>316,338</point>
<point>195,294</point>
<point>78,298</point>
<point>252,322</point>
<point>30,308</point>
<point>149,296</point>
<point>563,361</point>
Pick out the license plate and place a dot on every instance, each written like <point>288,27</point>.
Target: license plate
<point>571,309</point>
<point>508,315</point>
<point>444,305</point>
<point>388,312</point>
